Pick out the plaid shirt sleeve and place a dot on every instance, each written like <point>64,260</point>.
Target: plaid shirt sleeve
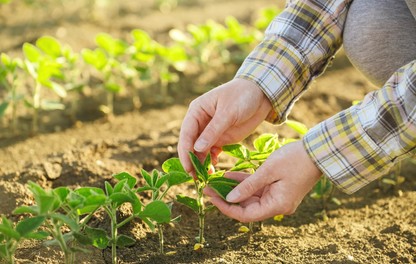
<point>356,145</point>
<point>363,142</point>
<point>298,45</point>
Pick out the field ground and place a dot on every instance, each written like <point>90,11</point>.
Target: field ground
<point>375,225</point>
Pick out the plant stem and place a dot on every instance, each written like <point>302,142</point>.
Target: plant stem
<point>36,106</point>
<point>114,233</point>
<point>62,244</point>
<point>161,240</point>
<point>201,212</point>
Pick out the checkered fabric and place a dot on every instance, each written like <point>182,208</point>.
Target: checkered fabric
<point>358,144</point>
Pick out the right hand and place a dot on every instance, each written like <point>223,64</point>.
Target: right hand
<point>224,115</point>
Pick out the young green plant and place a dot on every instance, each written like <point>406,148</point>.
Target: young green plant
<point>216,181</point>
<point>61,208</point>
<point>9,68</point>
<point>12,234</point>
<point>159,183</point>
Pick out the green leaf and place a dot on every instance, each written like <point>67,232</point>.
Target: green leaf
<point>113,46</point>
<point>147,177</point>
<point>243,166</point>
<point>46,203</point>
<point>50,46</point>
<point>98,237</point>
<point>161,181</point>
<point>131,181</point>
<point>155,177</point>
<point>297,126</point>
<point>149,223</point>
<point>120,198</point>
<point>3,108</point>
<point>120,186</point>
<point>173,164</point>
<point>222,186</point>
<point>176,178</point>
<point>31,52</point>
<point>72,224</point>
<point>158,211</point>
<point>188,201</point>
<point>9,232</point>
<point>237,151</point>
<point>40,235</point>
<point>125,241</point>
<point>62,192</point>
<point>207,162</point>
<point>28,225</point>
<point>51,105</point>
<point>26,210</point>
<point>83,239</point>
<point>113,87</point>
<point>201,171</point>
<point>96,58</point>
<point>108,188</point>
<point>265,142</point>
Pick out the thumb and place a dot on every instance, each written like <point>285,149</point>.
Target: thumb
<point>251,185</point>
<point>212,132</point>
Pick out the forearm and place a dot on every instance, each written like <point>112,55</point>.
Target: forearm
<point>363,142</point>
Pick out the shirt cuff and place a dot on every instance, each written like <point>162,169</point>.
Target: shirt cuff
<point>345,153</point>
<point>281,71</point>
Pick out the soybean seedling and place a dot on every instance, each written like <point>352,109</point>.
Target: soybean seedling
<point>124,192</point>
<point>251,160</point>
<point>11,235</point>
<point>216,181</point>
<point>159,183</point>
<point>9,80</point>
<point>44,70</point>
<point>107,60</point>
<point>62,208</point>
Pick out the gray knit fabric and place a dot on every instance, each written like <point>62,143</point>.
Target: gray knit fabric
<point>380,36</point>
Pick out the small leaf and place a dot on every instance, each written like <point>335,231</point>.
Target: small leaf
<point>108,188</point>
<point>72,224</point>
<point>131,181</point>
<point>222,188</point>
<point>49,45</point>
<point>173,164</point>
<point>119,187</point>
<point>9,232</point>
<point>201,172</point>
<point>188,201</point>
<point>147,177</point>
<point>278,218</point>
<point>157,211</point>
<point>28,225</point>
<point>161,181</point>
<point>83,239</point>
<point>26,210</point>
<point>62,192</point>
<point>237,151</point>
<point>125,241</point>
<point>120,198</point>
<point>3,107</point>
<point>31,52</point>
<point>300,128</point>
<point>265,142</point>
<point>243,229</point>
<point>176,178</point>
<point>40,235</point>
<point>98,236</point>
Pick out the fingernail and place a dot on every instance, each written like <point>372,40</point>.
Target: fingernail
<point>200,145</point>
<point>233,196</point>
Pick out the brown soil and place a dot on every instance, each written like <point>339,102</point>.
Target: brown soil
<point>375,225</point>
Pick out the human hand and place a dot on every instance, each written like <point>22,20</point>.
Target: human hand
<point>224,115</point>
<point>277,187</point>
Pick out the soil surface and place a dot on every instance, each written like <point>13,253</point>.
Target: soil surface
<point>375,225</point>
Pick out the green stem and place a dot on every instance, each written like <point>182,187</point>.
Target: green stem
<point>125,221</point>
<point>62,244</point>
<point>161,240</point>
<point>201,212</point>
<point>36,106</point>
<point>114,234</point>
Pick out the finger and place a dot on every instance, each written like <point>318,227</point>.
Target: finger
<point>215,152</point>
<point>212,132</point>
<point>237,175</point>
<point>188,134</point>
<point>252,184</point>
<point>210,192</point>
<point>251,210</point>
